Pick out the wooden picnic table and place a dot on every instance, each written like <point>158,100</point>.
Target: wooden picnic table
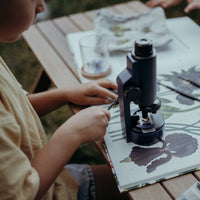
<point>47,40</point>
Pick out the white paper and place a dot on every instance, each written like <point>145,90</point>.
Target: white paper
<point>183,50</point>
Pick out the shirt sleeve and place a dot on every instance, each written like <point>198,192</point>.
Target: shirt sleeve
<point>18,179</point>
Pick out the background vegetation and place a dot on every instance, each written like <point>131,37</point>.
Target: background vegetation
<point>25,67</point>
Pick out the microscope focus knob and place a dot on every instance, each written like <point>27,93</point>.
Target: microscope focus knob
<point>156,105</point>
<point>133,93</point>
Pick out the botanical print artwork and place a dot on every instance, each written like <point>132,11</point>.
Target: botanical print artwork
<point>179,81</point>
<point>177,145</point>
<point>177,152</point>
<point>118,30</point>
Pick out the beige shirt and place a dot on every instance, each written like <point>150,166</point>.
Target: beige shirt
<point>21,137</point>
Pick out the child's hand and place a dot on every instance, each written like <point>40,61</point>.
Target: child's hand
<point>163,3</point>
<point>92,93</point>
<point>88,125</point>
<point>192,5</point>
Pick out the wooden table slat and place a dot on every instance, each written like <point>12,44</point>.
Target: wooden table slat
<point>178,185</point>
<point>125,9</point>
<point>57,70</point>
<point>138,6</point>
<point>82,21</point>
<point>59,43</point>
<point>91,14</point>
<point>151,192</point>
<point>65,25</point>
<point>197,174</point>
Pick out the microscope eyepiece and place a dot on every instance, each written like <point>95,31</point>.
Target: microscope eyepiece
<point>143,48</point>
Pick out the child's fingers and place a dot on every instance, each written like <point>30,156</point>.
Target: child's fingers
<point>107,84</point>
<point>192,6</point>
<point>107,113</point>
<point>154,3</point>
<point>163,3</point>
<point>107,93</point>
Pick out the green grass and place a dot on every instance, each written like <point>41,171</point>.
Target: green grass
<point>25,66</point>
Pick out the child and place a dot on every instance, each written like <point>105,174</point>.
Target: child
<point>192,4</point>
<point>32,167</point>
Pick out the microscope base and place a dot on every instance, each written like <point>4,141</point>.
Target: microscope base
<point>147,139</point>
<point>143,136</point>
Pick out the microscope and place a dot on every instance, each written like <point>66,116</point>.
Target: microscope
<point>142,122</point>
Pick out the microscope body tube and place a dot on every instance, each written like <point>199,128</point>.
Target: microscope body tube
<point>143,71</point>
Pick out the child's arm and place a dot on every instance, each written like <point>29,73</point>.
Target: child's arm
<point>92,93</point>
<point>86,126</point>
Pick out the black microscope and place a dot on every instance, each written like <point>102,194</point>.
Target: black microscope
<point>144,124</point>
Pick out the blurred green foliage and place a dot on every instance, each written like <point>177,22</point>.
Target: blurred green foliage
<point>25,66</point>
